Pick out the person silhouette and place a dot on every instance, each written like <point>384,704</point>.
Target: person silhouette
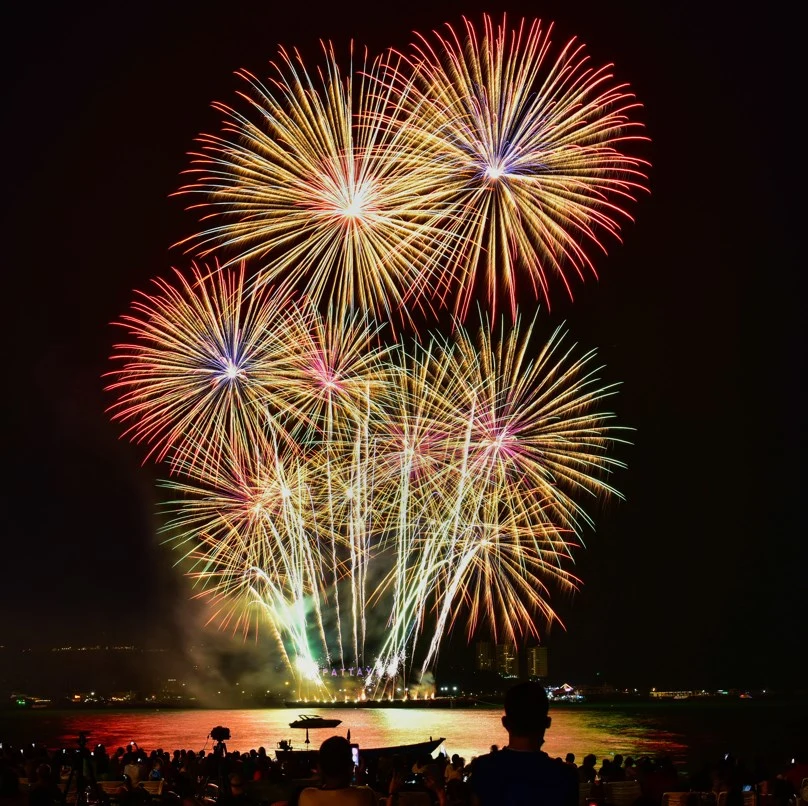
<point>521,774</point>
<point>336,772</point>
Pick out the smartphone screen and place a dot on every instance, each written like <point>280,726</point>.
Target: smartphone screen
<point>355,756</point>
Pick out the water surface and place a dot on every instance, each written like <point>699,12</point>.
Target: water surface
<point>689,732</point>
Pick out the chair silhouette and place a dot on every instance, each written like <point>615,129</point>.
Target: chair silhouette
<point>622,793</point>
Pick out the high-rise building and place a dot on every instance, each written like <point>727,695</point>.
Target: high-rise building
<point>537,662</point>
<point>484,656</point>
<point>507,660</point>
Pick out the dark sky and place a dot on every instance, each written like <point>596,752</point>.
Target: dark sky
<point>699,577</point>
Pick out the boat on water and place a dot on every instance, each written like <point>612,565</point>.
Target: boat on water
<point>405,750</point>
<point>311,721</point>
<point>286,753</point>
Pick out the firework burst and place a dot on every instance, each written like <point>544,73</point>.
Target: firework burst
<point>535,157</point>
<point>332,368</point>
<point>510,441</point>
<point>189,382</point>
<point>318,475</point>
<point>248,533</point>
<point>312,184</point>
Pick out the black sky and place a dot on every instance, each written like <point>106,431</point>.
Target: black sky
<point>699,577</point>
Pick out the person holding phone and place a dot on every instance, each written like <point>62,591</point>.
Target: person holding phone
<point>336,772</point>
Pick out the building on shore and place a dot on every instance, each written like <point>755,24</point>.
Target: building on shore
<point>507,660</point>
<point>537,662</point>
<point>484,656</point>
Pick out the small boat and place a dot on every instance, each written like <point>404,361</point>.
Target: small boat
<point>412,751</point>
<point>286,753</point>
<point>311,721</point>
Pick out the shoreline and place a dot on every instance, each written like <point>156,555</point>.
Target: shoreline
<point>447,703</point>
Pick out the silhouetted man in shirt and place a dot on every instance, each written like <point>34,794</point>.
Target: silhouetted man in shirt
<point>521,774</point>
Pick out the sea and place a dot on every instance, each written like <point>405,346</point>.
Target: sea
<point>692,732</point>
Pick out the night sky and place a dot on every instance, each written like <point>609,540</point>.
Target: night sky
<point>699,577</point>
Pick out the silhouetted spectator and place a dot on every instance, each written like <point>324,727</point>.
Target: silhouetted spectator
<point>587,772</point>
<point>455,770</point>
<point>43,791</point>
<point>336,771</point>
<point>237,795</point>
<point>630,770</point>
<point>521,773</point>
<point>617,772</point>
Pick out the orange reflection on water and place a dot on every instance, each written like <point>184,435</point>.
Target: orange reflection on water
<point>467,732</point>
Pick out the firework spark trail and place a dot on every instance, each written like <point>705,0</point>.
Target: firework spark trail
<point>245,534</point>
<point>331,364</point>
<point>535,157</point>
<point>298,365</point>
<point>277,504</point>
<point>314,185</point>
<point>414,457</point>
<point>520,435</point>
<point>465,482</point>
<point>459,460</point>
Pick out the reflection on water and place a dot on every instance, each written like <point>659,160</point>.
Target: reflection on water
<point>689,731</point>
<point>467,732</point>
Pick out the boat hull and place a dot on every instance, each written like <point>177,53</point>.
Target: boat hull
<point>369,754</point>
<point>314,724</point>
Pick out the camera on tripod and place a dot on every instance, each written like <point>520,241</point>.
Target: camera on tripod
<point>220,734</point>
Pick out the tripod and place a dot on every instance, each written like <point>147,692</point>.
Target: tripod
<point>81,768</point>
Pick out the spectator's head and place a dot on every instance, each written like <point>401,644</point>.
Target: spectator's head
<point>433,777</point>
<point>526,709</point>
<point>570,758</point>
<point>618,760</point>
<point>236,784</point>
<point>336,762</point>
